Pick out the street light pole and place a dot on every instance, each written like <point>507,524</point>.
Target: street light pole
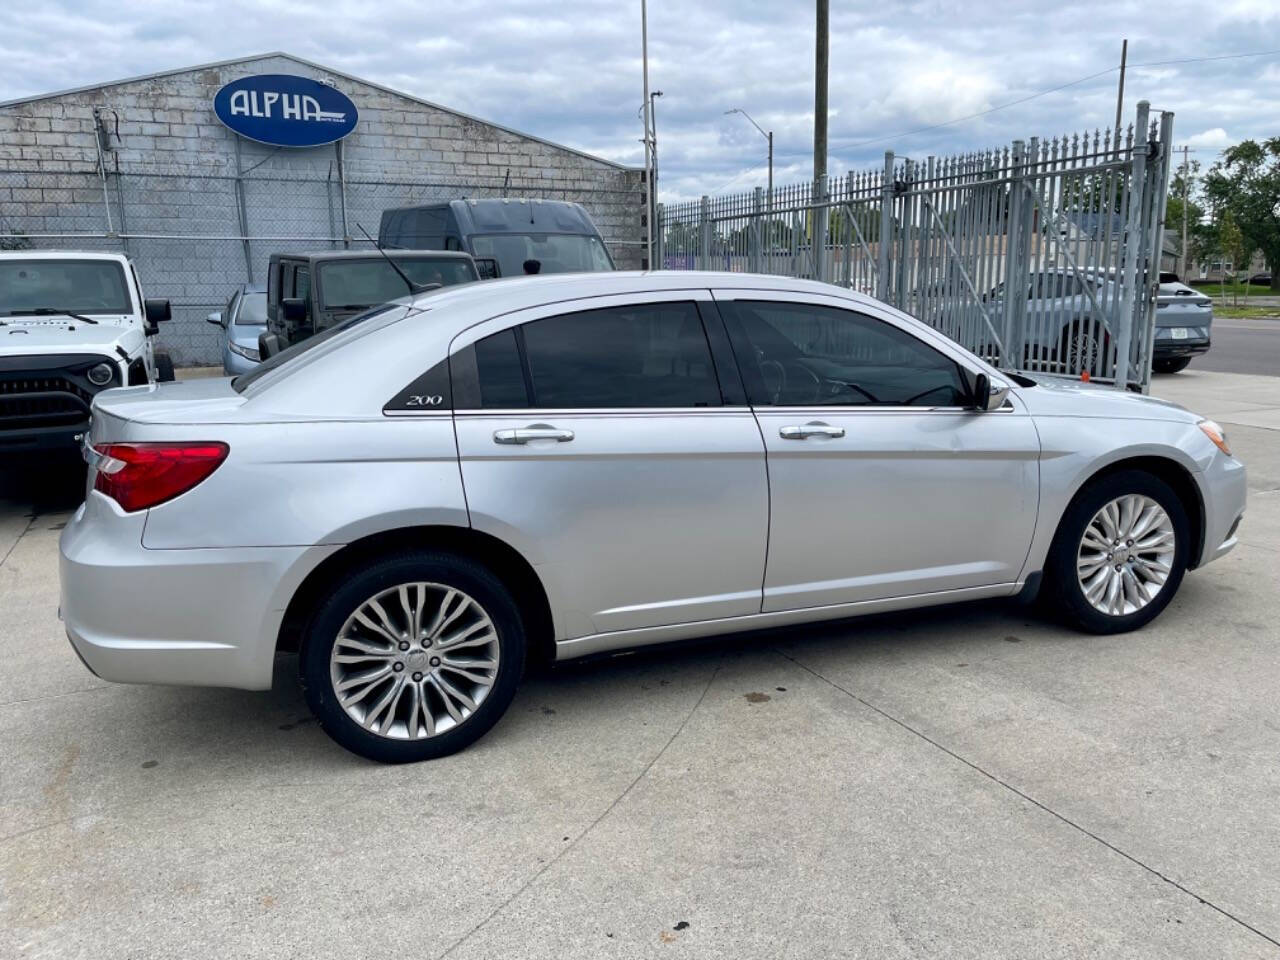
<point>769,137</point>
<point>648,146</point>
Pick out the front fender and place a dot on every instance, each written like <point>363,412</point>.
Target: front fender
<point>1076,449</point>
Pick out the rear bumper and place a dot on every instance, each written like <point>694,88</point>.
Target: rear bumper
<point>1172,349</point>
<point>207,617</point>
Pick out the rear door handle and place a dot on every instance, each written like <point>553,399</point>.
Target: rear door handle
<point>538,431</point>
<point>812,429</point>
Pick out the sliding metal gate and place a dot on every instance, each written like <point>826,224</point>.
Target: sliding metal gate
<point>1041,256</point>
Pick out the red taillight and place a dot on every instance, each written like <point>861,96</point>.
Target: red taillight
<point>141,475</point>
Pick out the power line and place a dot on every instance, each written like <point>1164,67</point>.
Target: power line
<point>1045,93</point>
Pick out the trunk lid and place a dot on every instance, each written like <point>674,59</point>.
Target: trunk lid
<point>205,400</point>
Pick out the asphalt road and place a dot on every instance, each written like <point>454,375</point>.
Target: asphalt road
<point>1243,346</point>
<point>963,782</point>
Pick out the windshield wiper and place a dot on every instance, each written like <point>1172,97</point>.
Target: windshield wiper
<point>52,312</point>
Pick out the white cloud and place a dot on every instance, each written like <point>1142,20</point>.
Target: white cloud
<point>570,71</point>
<point>1214,139</point>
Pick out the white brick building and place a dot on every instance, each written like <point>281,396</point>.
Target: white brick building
<point>144,165</point>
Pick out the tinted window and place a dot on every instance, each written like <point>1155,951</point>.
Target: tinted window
<point>556,252</point>
<point>651,355</point>
<point>499,373</point>
<point>81,286</point>
<point>808,355</point>
<point>355,284</point>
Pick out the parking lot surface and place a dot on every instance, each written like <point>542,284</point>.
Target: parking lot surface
<point>969,781</point>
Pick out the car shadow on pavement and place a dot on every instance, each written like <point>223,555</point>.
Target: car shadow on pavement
<point>41,484</point>
<point>268,728</point>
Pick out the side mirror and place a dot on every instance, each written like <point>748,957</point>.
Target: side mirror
<point>989,394</point>
<point>294,310</point>
<point>215,318</point>
<point>157,311</point>
<point>268,345</point>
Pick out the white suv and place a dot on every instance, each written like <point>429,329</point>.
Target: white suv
<point>71,325</point>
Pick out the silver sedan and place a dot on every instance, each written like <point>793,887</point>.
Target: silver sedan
<point>422,498</point>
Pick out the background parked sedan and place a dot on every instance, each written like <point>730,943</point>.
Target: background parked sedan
<point>418,499</point>
<point>241,322</point>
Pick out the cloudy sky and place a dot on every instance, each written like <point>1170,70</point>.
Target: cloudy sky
<point>569,70</point>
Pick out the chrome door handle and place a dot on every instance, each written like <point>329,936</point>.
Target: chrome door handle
<point>814,429</point>
<point>539,431</point>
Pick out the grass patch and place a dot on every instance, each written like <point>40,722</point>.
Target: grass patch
<point>1232,290</point>
<point>1244,313</point>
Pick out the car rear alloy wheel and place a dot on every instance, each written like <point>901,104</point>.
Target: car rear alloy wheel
<point>414,661</point>
<point>413,655</point>
<point>1126,555</point>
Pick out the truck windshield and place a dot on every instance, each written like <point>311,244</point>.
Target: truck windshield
<point>76,286</point>
<point>354,284</point>
<point>557,252</point>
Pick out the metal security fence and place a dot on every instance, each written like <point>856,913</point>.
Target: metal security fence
<point>1041,256</point>
<point>195,235</point>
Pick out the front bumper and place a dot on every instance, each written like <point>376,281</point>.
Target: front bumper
<point>55,439</point>
<point>205,617</point>
<point>1224,486</point>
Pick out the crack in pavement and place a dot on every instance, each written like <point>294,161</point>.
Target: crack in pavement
<point>30,520</point>
<point>1032,800</point>
<point>591,826</point>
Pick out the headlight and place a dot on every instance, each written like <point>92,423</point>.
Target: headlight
<point>1216,434</point>
<point>249,353</point>
<point>100,374</point>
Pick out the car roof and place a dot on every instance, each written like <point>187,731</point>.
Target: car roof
<point>517,293</point>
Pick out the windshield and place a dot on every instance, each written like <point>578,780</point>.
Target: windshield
<point>354,284</point>
<point>557,252</point>
<point>388,310</point>
<point>253,310</point>
<point>77,286</point>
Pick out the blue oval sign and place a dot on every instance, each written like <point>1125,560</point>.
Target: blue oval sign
<point>285,111</point>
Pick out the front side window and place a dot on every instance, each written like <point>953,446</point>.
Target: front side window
<point>799,355</point>
<point>61,286</point>
<point>649,355</point>
<point>555,252</point>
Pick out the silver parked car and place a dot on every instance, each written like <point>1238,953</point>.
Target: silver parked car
<point>420,498</point>
<point>241,322</point>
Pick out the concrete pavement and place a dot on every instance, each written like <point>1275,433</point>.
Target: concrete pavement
<point>961,782</point>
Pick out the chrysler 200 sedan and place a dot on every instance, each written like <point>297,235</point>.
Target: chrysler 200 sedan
<point>420,498</point>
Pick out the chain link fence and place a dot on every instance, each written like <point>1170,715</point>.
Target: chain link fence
<point>1041,256</point>
<point>195,235</point>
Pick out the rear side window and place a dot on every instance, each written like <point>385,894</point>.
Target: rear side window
<point>648,355</point>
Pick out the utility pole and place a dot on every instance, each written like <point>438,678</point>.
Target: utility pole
<point>648,143</point>
<point>1124,56</point>
<point>1186,199</point>
<point>820,62</point>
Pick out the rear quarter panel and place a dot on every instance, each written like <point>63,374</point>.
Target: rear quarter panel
<point>317,482</point>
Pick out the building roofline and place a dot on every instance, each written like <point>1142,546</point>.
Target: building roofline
<point>327,69</point>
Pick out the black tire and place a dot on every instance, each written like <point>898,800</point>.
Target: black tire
<point>164,367</point>
<point>368,580</point>
<point>1064,595</point>
<point>1172,365</point>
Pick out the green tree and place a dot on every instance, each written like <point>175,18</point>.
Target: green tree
<point>1234,244</point>
<point>1246,184</point>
